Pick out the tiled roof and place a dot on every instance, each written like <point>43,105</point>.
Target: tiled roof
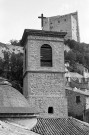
<point>58,126</point>
<point>81,124</point>
<point>73,75</point>
<point>86,92</point>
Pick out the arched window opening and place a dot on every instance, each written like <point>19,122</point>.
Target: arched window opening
<point>46,55</point>
<point>50,110</point>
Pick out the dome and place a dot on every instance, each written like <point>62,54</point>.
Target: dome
<point>10,97</point>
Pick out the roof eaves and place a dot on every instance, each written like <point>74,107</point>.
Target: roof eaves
<point>34,32</point>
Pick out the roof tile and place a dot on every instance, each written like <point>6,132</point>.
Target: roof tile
<point>57,126</point>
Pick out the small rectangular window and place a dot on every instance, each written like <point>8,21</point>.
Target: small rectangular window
<point>78,99</point>
<point>50,110</point>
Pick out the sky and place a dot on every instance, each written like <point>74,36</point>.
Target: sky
<point>17,15</point>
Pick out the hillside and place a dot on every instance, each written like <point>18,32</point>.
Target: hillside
<point>3,45</point>
<point>10,48</point>
<point>11,64</point>
<point>78,54</point>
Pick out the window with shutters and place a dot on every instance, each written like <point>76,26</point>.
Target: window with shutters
<point>46,55</point>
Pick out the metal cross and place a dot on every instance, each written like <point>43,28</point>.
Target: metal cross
<point>42,18</point>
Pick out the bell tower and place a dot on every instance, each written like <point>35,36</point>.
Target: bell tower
<point>44,85</point>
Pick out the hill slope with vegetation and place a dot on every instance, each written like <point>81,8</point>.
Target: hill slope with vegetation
<point>79,53</point>
<point>11,64</point>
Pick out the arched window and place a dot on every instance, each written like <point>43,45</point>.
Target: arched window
<point>46,55</point>
<point>50,110</point>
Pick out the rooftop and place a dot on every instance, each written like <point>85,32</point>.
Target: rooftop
<point>13,102</point>
<point>86,92</point>
<point>10,97</point>
<point>9,128</point>
<point>34,32</point>
<point>73,75</point>
<point>60,126</point>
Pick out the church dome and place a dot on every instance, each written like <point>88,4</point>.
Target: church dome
<point>10,97</point>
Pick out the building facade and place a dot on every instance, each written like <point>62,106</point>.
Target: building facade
<point>78,103</point>
<point>65,23</point>
<point>44,83</point>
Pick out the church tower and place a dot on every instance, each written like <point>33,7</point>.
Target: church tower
<point>43,73</point>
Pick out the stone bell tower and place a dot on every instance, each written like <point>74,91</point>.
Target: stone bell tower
<point>43,72</point>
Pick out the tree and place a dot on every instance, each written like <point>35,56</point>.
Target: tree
<point>1,67</point>
<point>11,68</point>
<point>79,53</point>
<point>70,56</point>
<point>15,42</point>
<point>17,69</point>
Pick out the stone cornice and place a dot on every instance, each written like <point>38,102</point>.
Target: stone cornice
<point>41,33</point>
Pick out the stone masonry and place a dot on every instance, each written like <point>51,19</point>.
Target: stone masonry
<point>64,23</point>
<point>44,86</point>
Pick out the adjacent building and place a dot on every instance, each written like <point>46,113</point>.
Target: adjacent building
<point>78,103</point>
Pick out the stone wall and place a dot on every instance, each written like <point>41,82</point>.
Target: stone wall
<point>46,83</point>
<point>75,109</point>
<point>33,50</point>
<point>60,24</point>
<point>44,87</point>
<point>65,23</point>
<point>45,90</point>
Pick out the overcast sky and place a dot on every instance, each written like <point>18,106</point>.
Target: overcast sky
<point>17,15</point>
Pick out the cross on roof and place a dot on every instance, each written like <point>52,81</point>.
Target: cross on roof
<point>42,18</point>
